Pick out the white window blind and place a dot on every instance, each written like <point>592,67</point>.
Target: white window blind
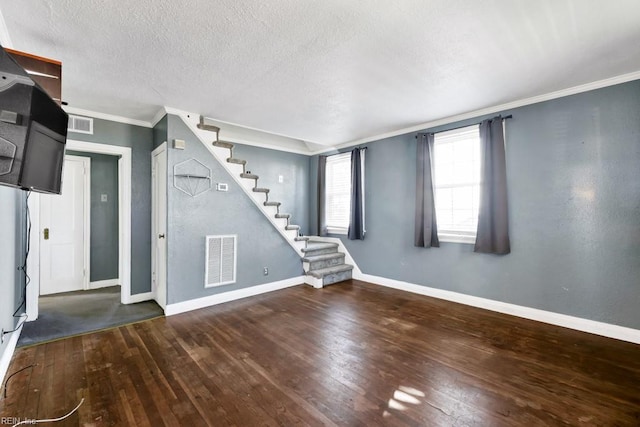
<point>457,183</point>
<point>338,192</point>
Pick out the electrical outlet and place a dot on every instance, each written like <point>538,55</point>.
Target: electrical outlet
<point>265,271</point>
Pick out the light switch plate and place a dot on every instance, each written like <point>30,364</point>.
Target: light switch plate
<point>179,144</point>
<point>280,179</point>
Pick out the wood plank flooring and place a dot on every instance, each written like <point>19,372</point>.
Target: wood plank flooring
<point>352,354</point>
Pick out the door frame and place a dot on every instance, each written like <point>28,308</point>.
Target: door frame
<point>154,206</point>
<point>124,224</point>
<point>86,215</point>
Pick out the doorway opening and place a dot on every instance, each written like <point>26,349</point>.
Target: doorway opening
<point>38,264</point>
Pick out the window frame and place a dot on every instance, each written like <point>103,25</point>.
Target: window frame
<point>452,235</point>
<point>335,158</point>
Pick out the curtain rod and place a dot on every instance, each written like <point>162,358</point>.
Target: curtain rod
<point>466,126</point>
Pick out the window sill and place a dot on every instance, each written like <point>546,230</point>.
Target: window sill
<point>456,238</point>
<point>337,230</point>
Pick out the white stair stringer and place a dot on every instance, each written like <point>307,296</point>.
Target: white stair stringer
<point>221,154</point>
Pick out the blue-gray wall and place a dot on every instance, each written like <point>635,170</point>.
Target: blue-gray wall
<point>294,168</point>
<point>140,139</point>
<point>190,219</point>
<point>104,216</point>
<point>12,240</point>
<point>573,169</point>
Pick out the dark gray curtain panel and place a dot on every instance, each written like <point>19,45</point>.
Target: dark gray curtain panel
<point>493,218</point>
<point>356,216</point>
<point>322,192</point>
<point>426,229</point>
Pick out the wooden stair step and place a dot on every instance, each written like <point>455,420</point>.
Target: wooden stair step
<point>223,144</point>
<point>292,227</point>
<point>204,126</point>
<point>248,176</point>
<point>236,161</point>
<point>260,190</point>
<point>276,204</point>
<point>283,215</point>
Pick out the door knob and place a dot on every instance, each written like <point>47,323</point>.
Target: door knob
<point>46,234</point>
<point>160,236</point>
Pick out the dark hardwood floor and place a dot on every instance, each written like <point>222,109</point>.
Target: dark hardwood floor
<point>351,354</point>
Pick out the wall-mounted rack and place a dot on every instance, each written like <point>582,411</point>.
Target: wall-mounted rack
<point>192,177</point>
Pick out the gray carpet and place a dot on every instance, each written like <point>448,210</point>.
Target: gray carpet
<point>73,313</point>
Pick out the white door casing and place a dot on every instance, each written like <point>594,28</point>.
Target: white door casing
<point>124,221</point>
<point>159,224</point>
<point>65,231</point>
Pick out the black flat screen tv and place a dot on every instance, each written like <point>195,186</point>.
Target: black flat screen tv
<point>33,132</point>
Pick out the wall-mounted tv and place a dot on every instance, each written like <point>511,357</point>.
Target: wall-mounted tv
<point>33,131</point>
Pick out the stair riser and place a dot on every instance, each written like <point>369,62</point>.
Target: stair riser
<point>336,278</point>
<point>316,265</point>
<point>316,252</point>
<point>222,153</point>
<point>271,211</point>
<point>236,169</point>
<point>248,184</point>
<point>291,233</point>
<point>282,223</point>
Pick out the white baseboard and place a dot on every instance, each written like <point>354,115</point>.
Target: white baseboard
<point>563,320</point>
<point>146,296</point>
<point>104,283</point>
<point>194,304</point>
<point>8,353</point>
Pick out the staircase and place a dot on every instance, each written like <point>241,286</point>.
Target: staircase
<point>322,263</point>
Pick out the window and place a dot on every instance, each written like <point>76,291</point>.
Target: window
<point>456,171</point>
<point>338,193</point>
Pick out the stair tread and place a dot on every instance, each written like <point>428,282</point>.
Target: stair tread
<point>260,190</point>
<point>283,215</point>
<point>292,227</point>
<point>223,144</point>
<point>314,246</point>
<point>321,272</point>
<point>324,257</point>
<point>249,176</point>
<point>210,128</point>
<point>272,203</point>
<point>301,238</point>
<point>237,161</point>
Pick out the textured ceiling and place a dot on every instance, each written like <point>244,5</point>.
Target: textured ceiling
<point>328,71</point>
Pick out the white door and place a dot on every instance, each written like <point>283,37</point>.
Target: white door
<point>159,224</point>
<point>64,233</point>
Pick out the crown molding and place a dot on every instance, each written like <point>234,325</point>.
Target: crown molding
<point>158,116</point>
<point>263,139</point>
<point>624,78</point>
<point>104,116</point>
<point>250,136</point>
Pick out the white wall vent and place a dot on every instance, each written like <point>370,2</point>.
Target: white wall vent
<point>80,124</point>
<point>221,260</point>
